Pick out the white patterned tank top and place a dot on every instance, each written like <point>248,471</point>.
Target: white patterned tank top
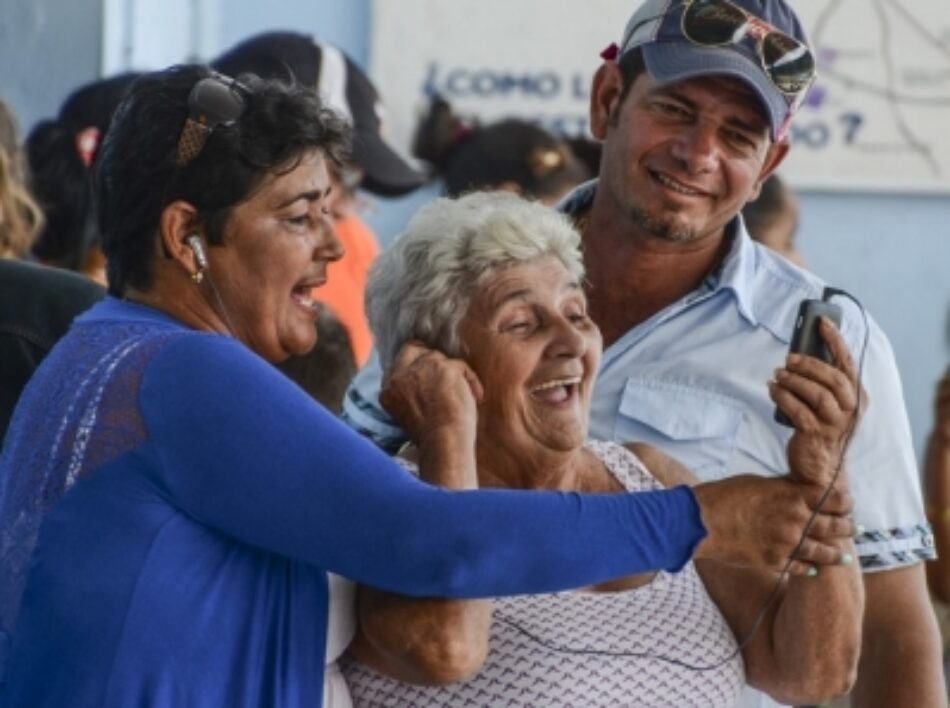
<point>628,648</point>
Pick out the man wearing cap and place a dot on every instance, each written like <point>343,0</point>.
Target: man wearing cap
<point>693,109</point>
<point>693,112</point>
<point>376,166</point>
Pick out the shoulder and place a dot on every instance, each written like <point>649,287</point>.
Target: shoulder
<point>649,459</point>
<point>776,287</point>
<point>194,354</point>
<point>42,298</point>
<point>664,468</point>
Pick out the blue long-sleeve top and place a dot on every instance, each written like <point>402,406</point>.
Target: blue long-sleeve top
<point>192,500</point>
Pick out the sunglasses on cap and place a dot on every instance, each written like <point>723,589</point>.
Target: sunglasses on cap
<point>215,101</point>
<point>788,63</point>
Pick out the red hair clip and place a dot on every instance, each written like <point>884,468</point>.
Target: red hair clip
<point>87,144</point>
<point>611,52</point>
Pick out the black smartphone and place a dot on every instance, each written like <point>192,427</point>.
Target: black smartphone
<point>806,339</point>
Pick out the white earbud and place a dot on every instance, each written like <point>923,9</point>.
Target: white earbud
<point>194,242</point>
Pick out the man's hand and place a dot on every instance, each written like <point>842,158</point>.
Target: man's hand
<point>757,521</point>
<point>822,402</point>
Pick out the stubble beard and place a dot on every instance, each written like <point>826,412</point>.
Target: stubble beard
<point>660,228</point>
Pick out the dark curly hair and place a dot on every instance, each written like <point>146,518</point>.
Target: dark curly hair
<point>137,175</point>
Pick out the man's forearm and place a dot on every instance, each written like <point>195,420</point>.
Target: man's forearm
<point>816,634</point>
<point>901,663</point>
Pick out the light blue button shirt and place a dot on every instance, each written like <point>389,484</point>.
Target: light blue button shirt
<point>692,380</point>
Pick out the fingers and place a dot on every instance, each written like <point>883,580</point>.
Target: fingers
<point>838,348</point>
<point>410,352</point>
<point>830,393</point>
<point>830,526</point>
<point>802,569</point>
<point>824,388</point>
<point>473,382</point>
<point>839,502</point>
<point>818,553</point>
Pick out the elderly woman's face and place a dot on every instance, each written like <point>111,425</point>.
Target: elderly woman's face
<point>528,337</point>
<point>276,248</point>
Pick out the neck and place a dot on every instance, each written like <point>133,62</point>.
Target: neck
<point>632,275</point>
<point>182,299</point>
<point>528,467</point>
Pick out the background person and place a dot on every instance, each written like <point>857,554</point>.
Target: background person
<point>772,219</point>
<point>62,152</point>
<point>495,280</point>
<point>37,306</point>
<point>509,154</point>
<point>326,370</point>
<point>696,317</point>
<point>937,495</point>
<point>20,217</point>
<point>173,505</point>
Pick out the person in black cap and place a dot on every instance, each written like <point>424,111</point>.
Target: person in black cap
<point>693,108</point>
<point>375,165</point>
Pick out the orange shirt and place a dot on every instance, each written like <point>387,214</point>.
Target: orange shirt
<point>346,283</point>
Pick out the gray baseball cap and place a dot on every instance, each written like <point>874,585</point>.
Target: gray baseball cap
<point>779,71</point>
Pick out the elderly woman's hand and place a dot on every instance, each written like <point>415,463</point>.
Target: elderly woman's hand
<point>759,521</point>
<point>434,399</point>
<point>425,390</point>
<point>821,400</point>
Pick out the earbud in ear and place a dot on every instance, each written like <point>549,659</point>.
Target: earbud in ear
<point>201,260</point>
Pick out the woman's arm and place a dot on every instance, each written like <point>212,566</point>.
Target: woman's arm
<point>805,647</point>
<point>241,449</point>
<point>421,640</point>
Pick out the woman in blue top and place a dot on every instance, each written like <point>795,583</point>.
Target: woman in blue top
<point>193,500</point>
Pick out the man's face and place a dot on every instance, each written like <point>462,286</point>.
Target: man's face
<point>680,160</point>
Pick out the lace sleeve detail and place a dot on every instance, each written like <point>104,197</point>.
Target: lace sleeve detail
<point>79,411</point>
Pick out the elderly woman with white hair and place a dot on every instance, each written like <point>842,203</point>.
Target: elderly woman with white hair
<point>497,282</point>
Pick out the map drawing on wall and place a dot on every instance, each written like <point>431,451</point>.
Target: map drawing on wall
<point>877,118</point>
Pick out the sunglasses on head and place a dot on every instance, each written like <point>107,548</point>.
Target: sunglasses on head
<point>788,63</point>
<point>215,101</point>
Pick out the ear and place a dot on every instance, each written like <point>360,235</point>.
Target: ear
<point>606,90</point>
<point>179,221</point>
<point>774,158</point>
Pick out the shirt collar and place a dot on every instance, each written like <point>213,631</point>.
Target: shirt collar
<point>736,273</point>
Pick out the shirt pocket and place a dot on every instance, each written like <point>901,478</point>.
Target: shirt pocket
<point>696,427</point>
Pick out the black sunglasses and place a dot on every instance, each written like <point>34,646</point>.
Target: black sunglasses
<point>215,101</point>
<point>788,63</point>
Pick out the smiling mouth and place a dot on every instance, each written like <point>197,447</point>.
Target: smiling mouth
<point>676,185</point>
<point>556,390</point>
<point>302,295</point>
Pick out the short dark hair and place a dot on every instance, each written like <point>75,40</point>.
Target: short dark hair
<point>137,176</point>
<point>631,66</point>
